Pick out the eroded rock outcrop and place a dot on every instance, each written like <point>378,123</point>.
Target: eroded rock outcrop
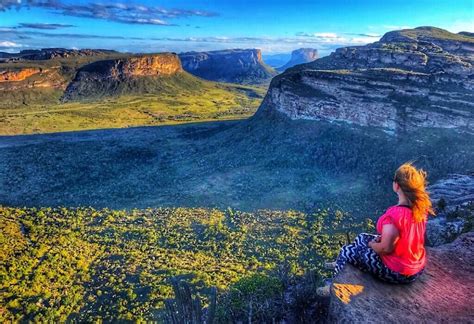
<point>236,65</point>
<point>146,65</point>
<point>109,77</point>
<point>420,77</point>
<point>17,75</point>
<point>443,294</point>
<point>456,190</point>
<point>300,56</point>
<point>453,198</point>
<point>31,78</point>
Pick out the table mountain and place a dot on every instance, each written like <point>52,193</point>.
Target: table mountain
<point>234,65</point>
<point>300,56</point>
<point>136,74</point>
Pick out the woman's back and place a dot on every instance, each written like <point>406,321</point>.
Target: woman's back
<point>408,256</point>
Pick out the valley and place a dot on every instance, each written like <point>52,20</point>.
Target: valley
<point>93,90</point>
<point>299,165</point>
<point>124,176</point>
<point>327,133</point>
<point>212,102</point>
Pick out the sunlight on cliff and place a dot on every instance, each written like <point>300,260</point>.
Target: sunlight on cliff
<point>346,291</point>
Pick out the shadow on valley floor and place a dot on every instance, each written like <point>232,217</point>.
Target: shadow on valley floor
<point>272,163</point>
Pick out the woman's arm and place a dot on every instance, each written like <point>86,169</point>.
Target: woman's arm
<point>387,241</point>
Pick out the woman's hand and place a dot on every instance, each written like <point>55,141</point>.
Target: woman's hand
<point>375,240</point>
<point>385,243</point>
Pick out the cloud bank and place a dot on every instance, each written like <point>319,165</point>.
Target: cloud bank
<point>121,12</point>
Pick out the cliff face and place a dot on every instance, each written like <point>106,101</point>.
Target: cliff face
<point>150,65</point>
<point>411,78</point>
<point>453,198</point>
<point>19,75</point>
<point>443,294</point>
<point>133,74</point>
<point>30,78</point>
<point>239,66</point>
<point>300,56</point>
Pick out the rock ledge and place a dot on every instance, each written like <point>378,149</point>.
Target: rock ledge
<point>444,293</point>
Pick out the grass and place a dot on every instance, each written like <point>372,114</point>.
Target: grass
<point>211,101</point>
<point>436,33</point>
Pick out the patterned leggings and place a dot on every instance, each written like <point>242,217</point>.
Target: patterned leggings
<point>366,259</point>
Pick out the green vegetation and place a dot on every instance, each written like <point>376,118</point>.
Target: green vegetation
<point>434,32</point>
<point>209,101</point>
<point>88,265</point>
<point>41,103</point>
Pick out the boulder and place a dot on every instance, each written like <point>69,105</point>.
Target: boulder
<point>444,293</point>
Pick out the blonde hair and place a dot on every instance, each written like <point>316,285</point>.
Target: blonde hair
<point>412,182</point>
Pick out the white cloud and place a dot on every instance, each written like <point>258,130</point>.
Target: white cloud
<point>372,35</point>
<point>460,25</point>
<point>9,44</point>
<point>396,27</point>
<point>362,40</point>
<point>326,35</point>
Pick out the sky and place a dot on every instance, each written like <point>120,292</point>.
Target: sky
<point>181,25</point>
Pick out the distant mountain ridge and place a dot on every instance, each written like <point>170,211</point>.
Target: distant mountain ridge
<point>51,53</point>
<point>420,77</point>
<point>51,75</point>
<point>234,65</point>
<point>300,56</point>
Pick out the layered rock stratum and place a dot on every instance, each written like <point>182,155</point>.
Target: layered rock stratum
<point>300,56</point>
<point>443,294</point>
<point>456,190</point>
<point>235,65</point>
<point>14,79</point>
<point>18,75</point>
<point>412,78</point>
<point>453,198</point>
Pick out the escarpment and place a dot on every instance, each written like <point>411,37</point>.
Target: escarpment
<point>19,75</point>
<point>420,77</point>
<point>20,78</point>
<point>137,74</point>
<point>236,65</point>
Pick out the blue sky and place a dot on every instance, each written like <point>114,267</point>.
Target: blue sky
<point>273,26</point>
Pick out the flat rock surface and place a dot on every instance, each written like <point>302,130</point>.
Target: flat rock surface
<point>443,294</point>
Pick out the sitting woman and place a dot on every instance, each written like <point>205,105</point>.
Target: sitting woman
<point>397,254</point>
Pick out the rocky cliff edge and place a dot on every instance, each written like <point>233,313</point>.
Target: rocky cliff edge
<point>422,77</point>
<point>443,294</point>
